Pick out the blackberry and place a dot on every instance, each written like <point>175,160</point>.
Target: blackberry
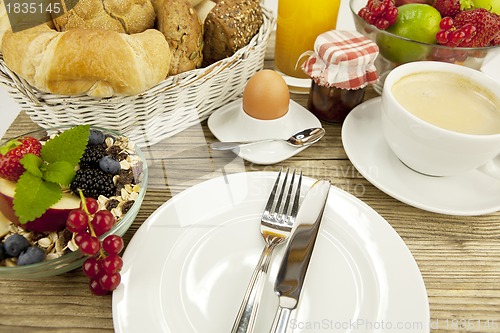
<point>91,156</point>
<point>93,182</point>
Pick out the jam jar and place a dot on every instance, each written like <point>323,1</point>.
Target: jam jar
<point>341,67</point>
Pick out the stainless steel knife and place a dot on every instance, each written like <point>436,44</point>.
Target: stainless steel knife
<point>292,272</point>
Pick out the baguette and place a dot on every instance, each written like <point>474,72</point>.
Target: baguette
<point>99,63</point>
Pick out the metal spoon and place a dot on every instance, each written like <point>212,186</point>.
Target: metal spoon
<point>303,138</point>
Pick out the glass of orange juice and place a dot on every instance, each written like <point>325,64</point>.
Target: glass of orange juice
<point>299,23</point>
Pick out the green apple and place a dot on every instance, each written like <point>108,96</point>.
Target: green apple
<point>491,5</point>
<point>416,22</point>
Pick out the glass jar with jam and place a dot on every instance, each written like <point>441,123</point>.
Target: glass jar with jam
<point>341,67</point>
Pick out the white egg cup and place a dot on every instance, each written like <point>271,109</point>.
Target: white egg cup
<point>250,128</point>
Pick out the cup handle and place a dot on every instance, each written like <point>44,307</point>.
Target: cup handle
<point>492,168</point>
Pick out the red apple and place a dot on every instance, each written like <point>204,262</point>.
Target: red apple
<point>54,219</point>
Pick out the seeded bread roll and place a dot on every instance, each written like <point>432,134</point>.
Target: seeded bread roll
<point>178,21</point>
<point>129,16</point>
<point>229,26</point>
<point>96,62</point>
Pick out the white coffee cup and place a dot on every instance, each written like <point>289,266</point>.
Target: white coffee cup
<point>433,150</point>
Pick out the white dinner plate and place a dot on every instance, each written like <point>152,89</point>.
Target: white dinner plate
<point>472,193</point>
<point>187,267</point>
<point>228,124</point>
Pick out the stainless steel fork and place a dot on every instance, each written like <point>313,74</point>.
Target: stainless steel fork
<point>276,225</point>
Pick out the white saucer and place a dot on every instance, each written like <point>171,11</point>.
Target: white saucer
<point>229,123</point>
<point>472,193</point>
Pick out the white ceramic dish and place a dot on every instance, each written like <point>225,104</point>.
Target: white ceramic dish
<point>231,123</point>
<point>187,267</point>
<point>472,193</point>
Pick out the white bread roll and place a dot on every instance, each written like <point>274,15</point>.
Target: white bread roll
<point>99,63</point>
<point>130,16</point>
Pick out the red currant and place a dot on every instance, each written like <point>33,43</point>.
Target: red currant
<point>110,281</point>
<point>92,205</point>
<point>92,267</point>
<point>96,288</point>
<point>90,245</point>
<point>112,244</point>
<point>446,23</point>
<point>77,220</point>
<point>112,264</point>
<point>102,222</point>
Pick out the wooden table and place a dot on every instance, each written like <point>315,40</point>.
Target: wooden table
<point>459,257</point>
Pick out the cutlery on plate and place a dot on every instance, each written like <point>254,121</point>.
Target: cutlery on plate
<point>303,138</point>
<point>276,224</point>
<point>293,268</point>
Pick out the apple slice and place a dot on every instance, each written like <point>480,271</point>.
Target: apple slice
<point>4,225</point>
<point>54,219</point>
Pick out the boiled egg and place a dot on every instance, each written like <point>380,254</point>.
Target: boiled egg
<point>266,96</point>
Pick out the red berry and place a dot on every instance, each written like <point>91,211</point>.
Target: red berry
<point>92,205</point>
<point>90,245</point>
<point>11,154</point>
<point>96,288</point>
<point>102,222</point>
<point>112,264</point>
<point>112,244</point>
<point>77,220</point>
<point>486,23</point>
<point>110,281</point>
<point>456,37</point>
<point>442,37</point>
<point>380,13</point>
<point>446,23</point>
<point>92,267</point>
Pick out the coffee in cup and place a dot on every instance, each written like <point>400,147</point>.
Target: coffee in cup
<point>442,119</point>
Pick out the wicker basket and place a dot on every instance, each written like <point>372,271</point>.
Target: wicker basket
<point>173,105</point>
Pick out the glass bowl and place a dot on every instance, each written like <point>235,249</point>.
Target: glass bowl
<point>73,260</point>
<point>396,50</point>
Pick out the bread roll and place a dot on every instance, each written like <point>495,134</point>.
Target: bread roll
<point>129,16</point>
<point>100,63</point>
<point>229,26</point>
<point>180,24</point>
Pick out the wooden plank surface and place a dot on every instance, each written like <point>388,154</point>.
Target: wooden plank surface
<point>459,257</point>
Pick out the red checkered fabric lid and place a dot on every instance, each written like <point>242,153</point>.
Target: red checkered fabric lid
<point>342,59</point>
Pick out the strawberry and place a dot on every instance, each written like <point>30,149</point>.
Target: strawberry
<point>450,8</point>
<point>12,153</point>
<point>486,23</point>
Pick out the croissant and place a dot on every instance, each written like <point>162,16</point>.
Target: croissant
<point>99,63</point>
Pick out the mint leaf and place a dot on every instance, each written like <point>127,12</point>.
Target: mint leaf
<point>34,196</point>
<point>61,172</point>
<point>32,164</point>
<point>67,146</point>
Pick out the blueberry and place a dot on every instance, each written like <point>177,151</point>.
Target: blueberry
<point>15,244</point>
<point>32,255</point>
<point>96,137</point>
<point>3,255</point>
<point>109,165</point>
